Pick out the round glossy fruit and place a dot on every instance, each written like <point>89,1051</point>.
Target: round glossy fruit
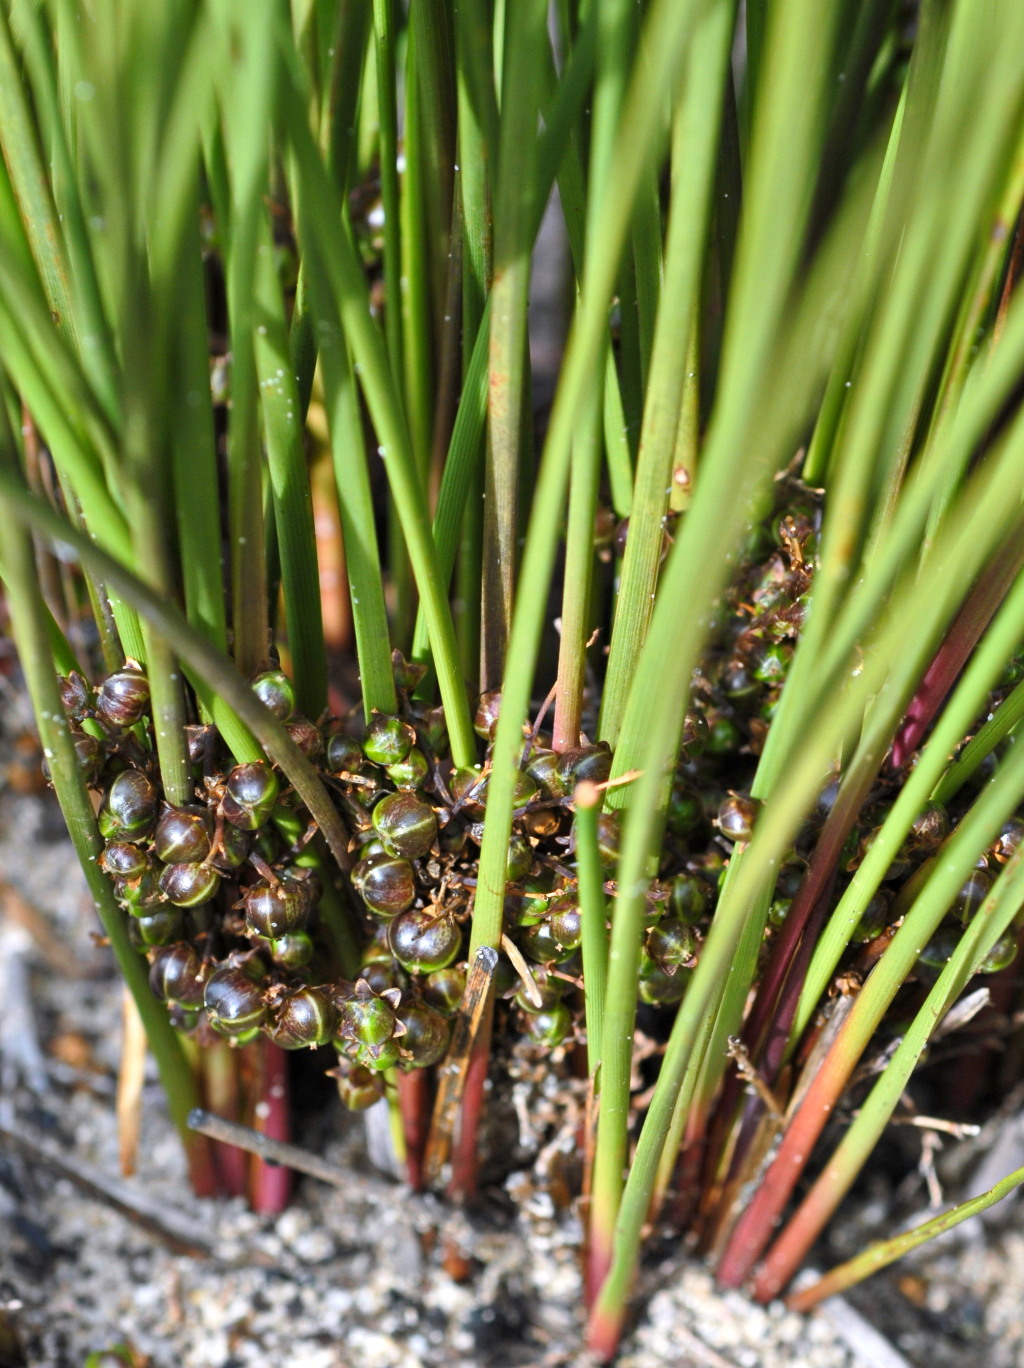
<point>140,896</point>
<point>671,943</point>
<point>873,920</point>
<point>307,736</point>
<point>584,762</point>
<point>426,1034</point>
<point>443,989</point>
<point>689,898</point>
<point>405,824</point>
<point>274,910</point>
<point>75,696</point>
<point>177,974</point>
<point>358,1087</point>
<point>386,884</point>
<point>388,739</point>
<point>424,940</point>
<point>188,885</point>
<point>122,698</point>
<point>659,988</point>
<point>736,817</point>
<point>306,1017</point>
<point>1001,956</point>
<point>548,1027</point>
<point>410,773</point>
<point>249,795</point>
<point>231,848</point>
<point>274,690</point>
<point>972,894</point>
<point>485,718</point>
<point>365,1019</point>
<point>540,943</point>
<point>566,923</point>
<point>293,951</point>
<point>235,1004</point>
<point>129,809</point>
<point>343,754</point>
<point>183,835</point>
<point>160,926</point>
<point>519,860</point>
<point>123,860</point>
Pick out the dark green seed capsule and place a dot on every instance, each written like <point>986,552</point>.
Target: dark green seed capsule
<point>658,988</point>
<point>183,835</point>
<point>274,910</point>
<point>407,673</point>
<point>584,762</point>
<point>485,718</point>
<point>129,809</point>
<point>235,1004</point>
<point>379,1057</point>
<point>188,885</point>
<point>566,923</point>
<point>274,690</point>
<point>1009,838</point>
<point>388,739</point>
<point>231,848</point>
<point>365,1019</point>
<point>443,989</point>
<point>307,736</point>
<point>609,835</point>
<point>304,1018</point>
<point>426,1034</point>
<point>550,990</point>
<point>140,895</point>
<point>249,795</point>
<point>177,974</point>
<point>937,953</point>
<point>410,773</point>
<point>540,944</point>
<point>671,943</point>
<point>531,906</point>
<point>386,884</point>
<point>405,824</point>
<point>161,926</point>
<point>736,817</point>
<point>434,729</point>
<point>90,754</point>
<point>423,940</point>
<point>123,860</point>
<point>344,754</point>
<point>122,698</point>
<point>689,898</point>
<point>1001,956</point>
<point>542,767</point>
<point>384,974</point>
<point>972,894</point>
<point>469,789</point>
<point>75,695</point>
<point>293,951</point>
<point>930,829</point>
<point>724,735</point>
<point>358,1087</point>
<point>772,663</point>
<point>548,1027</point>
<point>873,920</point>
<point>519,860</point>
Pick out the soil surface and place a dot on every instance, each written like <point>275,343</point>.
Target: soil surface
<point>361,1276</point>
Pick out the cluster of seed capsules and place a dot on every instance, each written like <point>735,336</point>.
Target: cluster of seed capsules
<point>225,895</point>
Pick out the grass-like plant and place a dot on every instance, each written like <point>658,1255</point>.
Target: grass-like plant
<point>263,261</point>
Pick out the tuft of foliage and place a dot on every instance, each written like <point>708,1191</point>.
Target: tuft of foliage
<point>264,320</point>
